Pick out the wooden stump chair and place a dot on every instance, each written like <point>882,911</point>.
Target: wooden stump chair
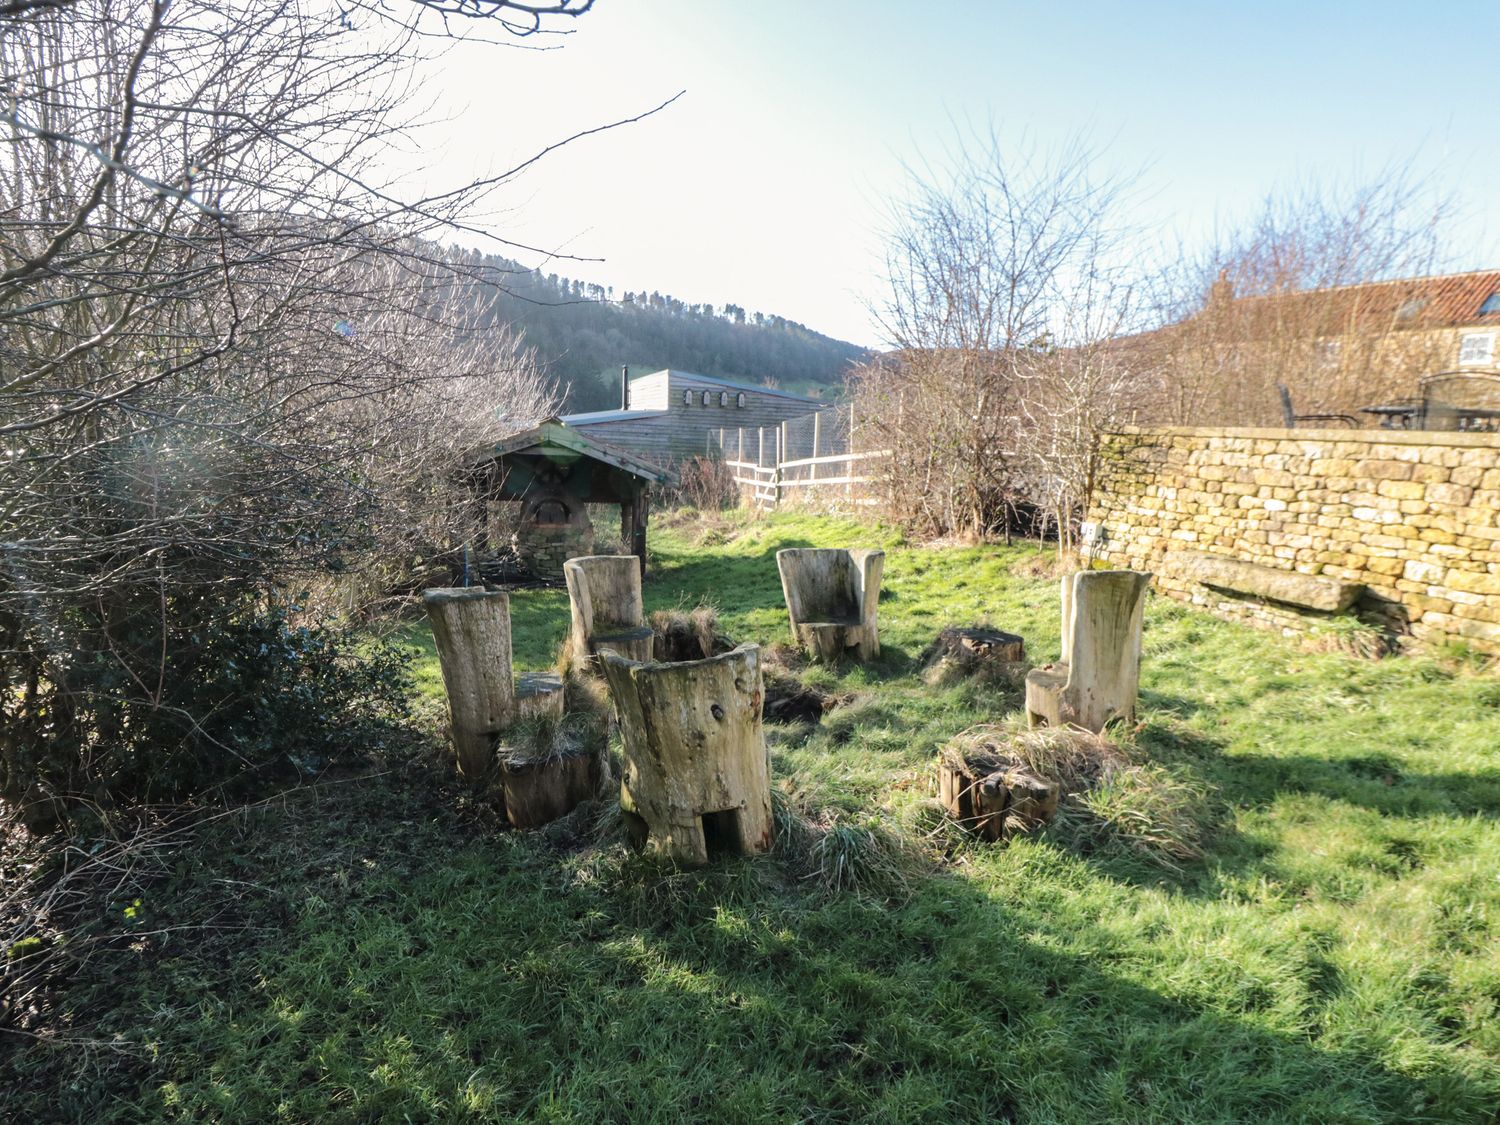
<point>697,774</point>
<point>471,627</point>
<point>831,597</point>
<point>605,594</point>
<point>1097,679</point>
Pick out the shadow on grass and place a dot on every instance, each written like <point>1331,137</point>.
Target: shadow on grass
<point>488,978</point>
<point>1372,781</point>
<point>961,1004</point>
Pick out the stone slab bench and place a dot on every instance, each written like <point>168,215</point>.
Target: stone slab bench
<point>1309,591</point>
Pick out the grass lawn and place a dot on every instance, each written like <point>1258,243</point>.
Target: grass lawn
<point>372,950</point>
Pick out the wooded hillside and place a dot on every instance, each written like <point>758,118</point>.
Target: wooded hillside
<point>583,332</point>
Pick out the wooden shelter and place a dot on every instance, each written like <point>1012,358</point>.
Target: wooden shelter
<point>553,472</point>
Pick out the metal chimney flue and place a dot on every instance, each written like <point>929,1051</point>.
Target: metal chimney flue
<point>624,387</point>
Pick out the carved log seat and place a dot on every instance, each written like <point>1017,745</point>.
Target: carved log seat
<point>831,598</point>
<point>697,775</point>
<point>471,628</point>
<point>1097,679</point>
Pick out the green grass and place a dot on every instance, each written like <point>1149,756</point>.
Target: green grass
<point>378,953</point>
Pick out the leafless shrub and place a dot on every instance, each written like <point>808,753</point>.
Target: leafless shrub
<point>1290,298</point>
<point>704,484</point>
<point>1001,293</point>
<point>233,357</point>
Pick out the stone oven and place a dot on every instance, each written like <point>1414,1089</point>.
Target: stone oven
<point>548,476</point>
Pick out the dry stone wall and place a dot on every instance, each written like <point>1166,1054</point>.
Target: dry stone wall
<point>1412,519</point>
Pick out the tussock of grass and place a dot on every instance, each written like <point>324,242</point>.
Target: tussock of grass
<point>836,853</point>
<point>580,731</point>
<point>1108,800</point>
<point>693,634</point>
<point>1350,636</point>
<point>1147,808</point>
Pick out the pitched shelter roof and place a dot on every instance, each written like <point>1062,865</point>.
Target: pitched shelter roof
<point>556,440</point>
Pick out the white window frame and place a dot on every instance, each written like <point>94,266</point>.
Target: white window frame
<point>1476,349</point>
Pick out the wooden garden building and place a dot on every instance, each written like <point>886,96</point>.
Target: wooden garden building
<point>532,492</point>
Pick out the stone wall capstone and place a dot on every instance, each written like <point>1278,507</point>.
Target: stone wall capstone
<point>1412,517</point>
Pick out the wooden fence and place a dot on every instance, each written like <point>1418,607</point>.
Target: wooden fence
<point>833,473</point>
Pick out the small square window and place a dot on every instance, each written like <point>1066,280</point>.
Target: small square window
<point>1476,349</point>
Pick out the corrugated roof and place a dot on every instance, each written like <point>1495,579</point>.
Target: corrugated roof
<point>610,416</point>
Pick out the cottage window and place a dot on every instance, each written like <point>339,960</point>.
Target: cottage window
<point>1476,349</point>
<point>687,398</point>
<point>739,399</point>
<point>706,396</point>
<point>1491,304</point>
<point>723,398</point>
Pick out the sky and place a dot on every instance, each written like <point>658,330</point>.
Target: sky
<point>769,183</point>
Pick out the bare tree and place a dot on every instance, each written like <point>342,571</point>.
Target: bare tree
<point>1320,292</point>
<point>987,267</point>
<point>231,355</point>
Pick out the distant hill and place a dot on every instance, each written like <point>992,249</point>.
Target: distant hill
<point>584,332</point>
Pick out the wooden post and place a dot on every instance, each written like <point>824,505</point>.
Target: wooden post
<point>696,769</point>
<point>471,628</point>
<point>638,534</point>
<point>812,474</point>
<point>740,454</point>
<point>849,465</point>
<point>760,452</point>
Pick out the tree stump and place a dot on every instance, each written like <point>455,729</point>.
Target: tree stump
<point>1098,678</point>
<point>542,790</point>
<point>993,797</point>
<point>832,596</point>
<point>696,770</point>
<point>539,695</point>
<point>604,593</point>
<point>959,653</point>
<point>471,627</point>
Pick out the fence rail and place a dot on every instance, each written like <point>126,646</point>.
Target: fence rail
<point>773,478</point>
